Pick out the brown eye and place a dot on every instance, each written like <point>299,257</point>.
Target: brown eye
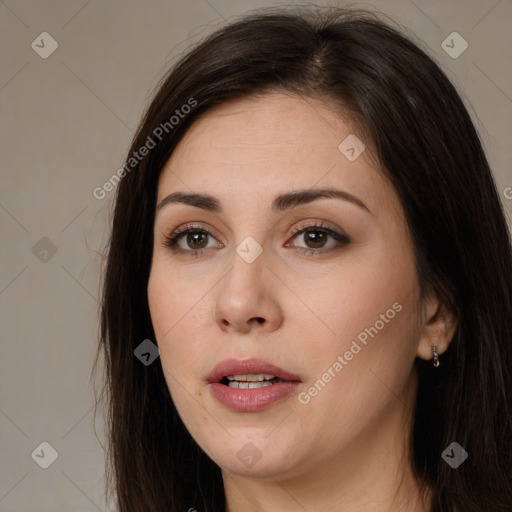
<point>315,239</point>
<point>196,239</point>
<point>192,240</point>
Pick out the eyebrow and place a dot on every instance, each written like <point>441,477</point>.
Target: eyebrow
<point>280,203</point>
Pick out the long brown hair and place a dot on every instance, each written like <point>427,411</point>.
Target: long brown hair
<point>427,146</point>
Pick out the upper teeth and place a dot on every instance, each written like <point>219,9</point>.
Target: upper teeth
<point>251,378</point>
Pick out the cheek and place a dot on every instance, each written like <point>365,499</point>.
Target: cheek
<point>161,304</point>
<point>166,313</point>
<point>368,297</point>
<point>371,310</point>
<point>177,307</point>
<point>174,318</point>
<point>172,299</point>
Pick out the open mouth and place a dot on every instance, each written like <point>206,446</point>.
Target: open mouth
<point>252,381</point>
<point>237,384</point>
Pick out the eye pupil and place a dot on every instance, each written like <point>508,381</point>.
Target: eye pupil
<point>317,238</point>
<point>192,238</point>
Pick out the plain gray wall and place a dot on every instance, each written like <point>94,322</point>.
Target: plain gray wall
<point>66,123</point>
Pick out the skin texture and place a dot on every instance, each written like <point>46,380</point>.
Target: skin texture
<point>346,449</point>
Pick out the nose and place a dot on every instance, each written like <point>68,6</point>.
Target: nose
<point>248,297</point>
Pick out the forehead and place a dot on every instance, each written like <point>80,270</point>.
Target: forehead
<point>272,125</point>
<point>267,144</point>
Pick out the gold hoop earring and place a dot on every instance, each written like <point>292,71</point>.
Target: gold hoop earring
<point>436,358</point>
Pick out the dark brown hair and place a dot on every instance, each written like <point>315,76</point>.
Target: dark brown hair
<point>426,144</point>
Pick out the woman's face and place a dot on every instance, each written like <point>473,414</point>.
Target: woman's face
<point>332,310</point>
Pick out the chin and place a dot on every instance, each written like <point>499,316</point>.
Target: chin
<point>254,455</point>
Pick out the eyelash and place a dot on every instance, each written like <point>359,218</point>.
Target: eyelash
<point>171,241</point>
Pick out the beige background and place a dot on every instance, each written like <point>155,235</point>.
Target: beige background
<point>66,122</point>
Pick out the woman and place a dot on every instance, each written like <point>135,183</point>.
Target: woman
<point>308,229</point>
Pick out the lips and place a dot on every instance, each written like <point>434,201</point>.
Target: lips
<point>250,399</point>
<point>252,366</point>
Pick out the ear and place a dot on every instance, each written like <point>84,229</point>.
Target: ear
<point>438,328</point>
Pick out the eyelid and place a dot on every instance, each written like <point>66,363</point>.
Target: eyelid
<point>318,224</point>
